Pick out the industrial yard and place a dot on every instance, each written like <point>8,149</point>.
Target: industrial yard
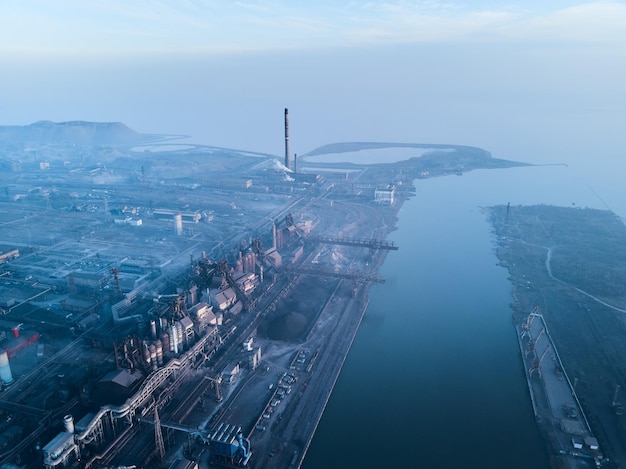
<point>171,305</point>
<point>566,266</point>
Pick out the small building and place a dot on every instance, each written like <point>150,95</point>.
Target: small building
<point>246,281</point>
<point>136,266</point>
<point>129,221</point>
<point>247,344</point>
<point>592,443</point>
<point>577,444</point>
<point>86,281</point>
<point>88,321</point>
<point>219,318</point>
<point>228,446</point>
<point>188,332</point>
<point>185,216</point>
<point>230,373</point>
<point>62,451</point>
<point>254,358</point>
<point>79,304</point>
<point>273,258</point>
<point>191,295</point>
<point>203,312</point>
<point>294,255</point>
<point>129,282</point>
<point>6,302</point>
<point>203,316</point>
<point>309,178</point>
<point>84,422</point>
<point>8,253</point>
<point>236,308</point>
<point>224,299</point>
<point>385,195</point>
<point>116,386</point>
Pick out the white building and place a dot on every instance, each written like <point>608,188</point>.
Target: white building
<point>224,299</point>
<point>385,195</point>
<point>60,452</point>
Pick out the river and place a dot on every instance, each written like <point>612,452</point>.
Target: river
<point>434,378</point>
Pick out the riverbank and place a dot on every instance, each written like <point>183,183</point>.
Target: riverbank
<point>568,262</point>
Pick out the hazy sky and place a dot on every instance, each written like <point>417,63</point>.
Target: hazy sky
<point>78,28</point>
<point>539,81</point>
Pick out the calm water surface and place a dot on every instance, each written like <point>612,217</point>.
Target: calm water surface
<point>434,378</point>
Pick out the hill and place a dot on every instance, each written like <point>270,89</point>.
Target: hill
<point>76,132</point>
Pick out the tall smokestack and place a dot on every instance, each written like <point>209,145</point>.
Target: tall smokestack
<point>287,138</point>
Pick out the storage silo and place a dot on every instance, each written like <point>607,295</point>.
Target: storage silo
<point>146,352</point>
<point>165,341</point>
<point>179,336</point>
<point>5,368</point>
<point>173,339</point>
<point>68,423</point>
<point>153,356</point>
<point>159,352</point>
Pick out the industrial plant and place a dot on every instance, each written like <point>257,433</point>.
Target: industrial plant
<point>173,305</point>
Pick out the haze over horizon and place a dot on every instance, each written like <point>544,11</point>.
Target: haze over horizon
<point>524,80</point>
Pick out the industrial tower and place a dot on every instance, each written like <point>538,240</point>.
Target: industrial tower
<point>287,138</point>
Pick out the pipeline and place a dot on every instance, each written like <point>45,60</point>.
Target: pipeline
<point>117,320</point>
<point>152,382</point>
<point>244,444</point>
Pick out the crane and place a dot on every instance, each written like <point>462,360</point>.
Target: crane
<point>217,384</point>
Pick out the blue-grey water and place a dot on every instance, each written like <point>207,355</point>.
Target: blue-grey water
<point>434,378</point>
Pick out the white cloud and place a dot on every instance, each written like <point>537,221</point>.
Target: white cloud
<point>115,26</point>
<point>586,23</point>
<point>406,21</point>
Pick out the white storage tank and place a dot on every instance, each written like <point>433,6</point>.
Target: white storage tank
<point>68,423</point>
<point>179,336</point>
<point>165,341</point>
<point>173,339</point>
<point>159,352</point>
<point>146,352</point>
<point>5,368</point>
<point>153,356</point>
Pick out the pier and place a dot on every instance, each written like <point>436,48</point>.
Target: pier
<point>555,403</point>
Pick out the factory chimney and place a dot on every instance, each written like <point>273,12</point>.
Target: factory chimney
<point>287,138</point>
<point>5,368</point>
<point>295,163</point>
